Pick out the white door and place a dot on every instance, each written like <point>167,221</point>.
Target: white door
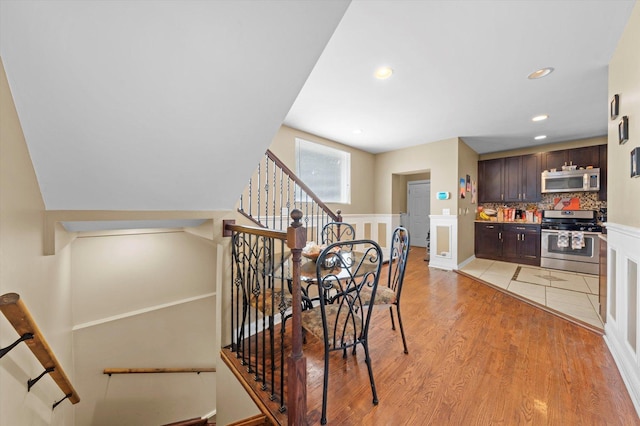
<point>418,209</point>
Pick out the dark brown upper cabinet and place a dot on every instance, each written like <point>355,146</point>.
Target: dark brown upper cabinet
<point>522,178</point>
<point>509,179</point>
<point>490,180</point>
<point>580,157</point>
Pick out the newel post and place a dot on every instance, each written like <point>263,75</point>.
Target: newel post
<point>297,363</point>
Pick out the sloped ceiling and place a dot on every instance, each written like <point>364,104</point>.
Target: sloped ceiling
<point>156,105</point>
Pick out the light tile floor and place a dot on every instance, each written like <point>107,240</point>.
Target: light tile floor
<point>571,293</point>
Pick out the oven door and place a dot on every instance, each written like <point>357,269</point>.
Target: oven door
<point>588,253</point>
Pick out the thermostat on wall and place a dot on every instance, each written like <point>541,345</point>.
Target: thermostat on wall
<point>443,195</point>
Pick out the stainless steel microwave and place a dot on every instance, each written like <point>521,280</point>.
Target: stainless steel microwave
<point>571,181</point>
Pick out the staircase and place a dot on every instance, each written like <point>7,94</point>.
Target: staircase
<point>266,358</point>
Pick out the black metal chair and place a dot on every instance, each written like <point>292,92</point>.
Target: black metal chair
<point>341,320</point>
<point>337,231</point>
<point>389,294</point>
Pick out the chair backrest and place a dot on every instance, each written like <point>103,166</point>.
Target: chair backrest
<point>398,255</point>
<point>337,231</point>
<point>341,276</point>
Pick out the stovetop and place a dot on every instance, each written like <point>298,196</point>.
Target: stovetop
<point>570,220</point>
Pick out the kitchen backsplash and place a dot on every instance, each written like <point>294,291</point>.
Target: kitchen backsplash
<point>588,201</point>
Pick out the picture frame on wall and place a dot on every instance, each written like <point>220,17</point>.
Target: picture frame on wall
<point>635,167</point>
<point>615,106</point>
<point>623,130</point>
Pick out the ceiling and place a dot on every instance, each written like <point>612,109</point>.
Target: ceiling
<point>460,70</point>
<point>168,105</point>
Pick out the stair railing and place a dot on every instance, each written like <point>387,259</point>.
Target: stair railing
<point>266,296</point>
<point>274,191</point>
<point>19,316</point>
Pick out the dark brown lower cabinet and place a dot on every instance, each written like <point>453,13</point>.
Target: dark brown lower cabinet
<point>603,280</point>
<point>509,242</point>
<point>521,243</point>
<point>488,240</point>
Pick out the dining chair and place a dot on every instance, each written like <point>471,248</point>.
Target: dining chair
<point>337,231</point>
<point>389,294</point>
<point>340,320</point>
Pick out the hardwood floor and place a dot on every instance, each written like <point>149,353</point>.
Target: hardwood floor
<point>477,356</point>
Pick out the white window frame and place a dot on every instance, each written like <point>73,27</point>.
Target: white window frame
<point>342,171</point>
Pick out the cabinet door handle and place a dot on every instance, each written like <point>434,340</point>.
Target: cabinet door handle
<point>501,196</point>
<point>490,226</point>
<point>519,196</point>
<point>518,237</point>
<point>500,235</point>
<point>524,195</point>
<point>522,237</point>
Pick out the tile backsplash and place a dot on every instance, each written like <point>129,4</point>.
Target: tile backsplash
<point>588,201</point>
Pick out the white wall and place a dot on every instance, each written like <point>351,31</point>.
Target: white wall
<point>143,301</point>
<point>43,283</point>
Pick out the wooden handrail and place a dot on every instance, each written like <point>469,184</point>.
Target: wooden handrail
<point>260,232</point>
<point>18,315</point>
<point>305,188</point>
<point>111,371</point>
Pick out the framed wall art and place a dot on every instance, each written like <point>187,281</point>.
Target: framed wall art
<point>635,157</point>
<point>615,106</point>
<point>623,130</point>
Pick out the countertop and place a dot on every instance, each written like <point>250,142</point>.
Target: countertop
<point>515,222</point>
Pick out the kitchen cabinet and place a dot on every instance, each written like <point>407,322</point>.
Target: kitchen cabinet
<point>517,178</point>
<point>509,242</point>
<point>521,243</point>
<point>488,240</point>
<point>602,194</point>
<point>510,179</point>
<point>490,180</point>
<point>581,157</point>
<point>522,178</point>
<point>602,280</point>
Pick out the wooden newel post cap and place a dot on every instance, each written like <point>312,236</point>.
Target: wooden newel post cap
<point>296,215</point>
<point>296,234</point>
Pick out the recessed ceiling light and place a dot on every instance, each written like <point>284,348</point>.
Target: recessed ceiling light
<point>357,131</point>
<point>540,117</point>
<point>383,73</point>
<point>540,137</point>
<point>542,72</point>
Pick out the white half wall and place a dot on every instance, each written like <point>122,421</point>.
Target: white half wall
<point>622,329</point>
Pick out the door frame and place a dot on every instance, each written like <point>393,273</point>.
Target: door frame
<point>409,184</point>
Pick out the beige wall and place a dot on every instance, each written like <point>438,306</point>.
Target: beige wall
<point>399,189</point>
<point>467,165</point>
<point>624,79</point>
<point>362,168</point>
<point>42,282</point>
<point>440,158</point>
<point>143,301</point>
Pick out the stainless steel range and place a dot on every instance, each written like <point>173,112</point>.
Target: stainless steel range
<point>570,240</point>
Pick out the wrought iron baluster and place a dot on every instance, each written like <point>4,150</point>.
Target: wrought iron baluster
<point>266,191</point>
<point>259,191</point>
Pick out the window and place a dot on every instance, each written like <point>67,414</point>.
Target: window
<point>327,171</point>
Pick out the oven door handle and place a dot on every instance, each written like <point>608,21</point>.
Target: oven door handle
<point>586,233</point>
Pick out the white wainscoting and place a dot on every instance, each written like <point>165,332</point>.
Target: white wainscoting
<point>623,304</point>
<point>444,246</point>
<point>371,223</point>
